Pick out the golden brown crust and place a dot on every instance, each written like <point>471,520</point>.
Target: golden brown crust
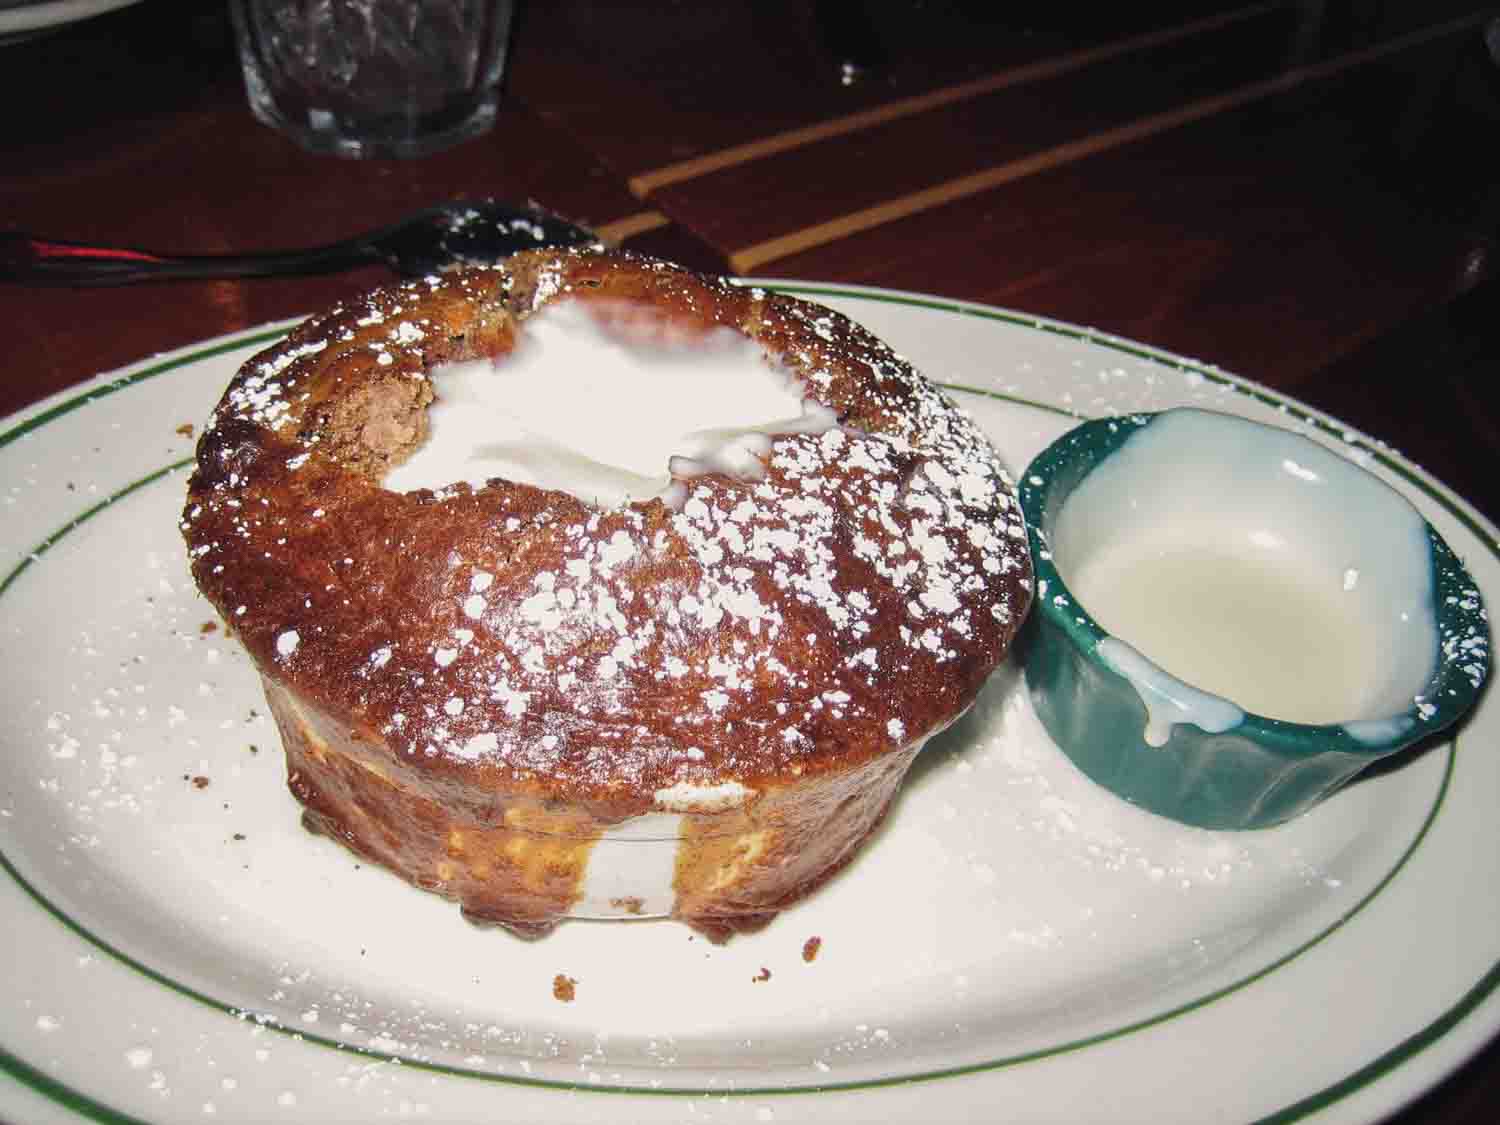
<point>511,644</point>
<point>524,866</point>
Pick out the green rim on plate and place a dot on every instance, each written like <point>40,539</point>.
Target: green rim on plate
<point>88,1106</point>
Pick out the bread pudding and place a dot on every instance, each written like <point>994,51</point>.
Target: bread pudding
<point>685,681</point>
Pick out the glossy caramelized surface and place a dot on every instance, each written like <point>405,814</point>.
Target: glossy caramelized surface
<point>757,641</point>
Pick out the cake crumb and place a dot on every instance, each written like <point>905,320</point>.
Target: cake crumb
<point>185,430</point>
<point>631,904</point>
<point>564,988</point>
<point>208,627</point>
<point>198,780</point>
<point>762,976</point>
<point>810,949</point>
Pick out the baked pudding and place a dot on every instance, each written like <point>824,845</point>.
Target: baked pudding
<point>585,585</point>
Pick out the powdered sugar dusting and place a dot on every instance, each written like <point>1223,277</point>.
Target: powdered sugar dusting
<point>647,644</point>
<point>1053,887</point>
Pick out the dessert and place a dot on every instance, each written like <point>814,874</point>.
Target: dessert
<point>687,686</point>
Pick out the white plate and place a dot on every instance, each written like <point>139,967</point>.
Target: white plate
<point>1015,943</point>
<point>28,16</point>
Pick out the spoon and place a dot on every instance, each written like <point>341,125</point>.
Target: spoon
<point>456,233</point>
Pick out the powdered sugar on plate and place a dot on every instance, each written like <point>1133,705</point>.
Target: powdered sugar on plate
<point>1006,907</point>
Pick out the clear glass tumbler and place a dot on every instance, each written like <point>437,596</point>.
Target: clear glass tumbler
<point>374,78</point>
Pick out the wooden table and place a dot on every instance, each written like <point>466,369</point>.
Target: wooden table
<point>1306,194</point>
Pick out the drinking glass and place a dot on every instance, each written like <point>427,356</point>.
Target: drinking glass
<point>374,78</point>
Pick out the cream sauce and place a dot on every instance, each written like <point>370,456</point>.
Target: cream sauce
<point>608,408</point>
<point>1254,630</point>
<point>1257,566</point>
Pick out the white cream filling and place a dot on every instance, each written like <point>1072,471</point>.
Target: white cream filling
<point>631,869</point>
<point>633,866</point>
<point>608,401</point>
<point>687,797</point>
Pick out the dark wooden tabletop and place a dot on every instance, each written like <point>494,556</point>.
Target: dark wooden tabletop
<point>1304,193</point>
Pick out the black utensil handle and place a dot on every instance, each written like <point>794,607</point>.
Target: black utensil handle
<point>34,260</point>
<point>25,257</point>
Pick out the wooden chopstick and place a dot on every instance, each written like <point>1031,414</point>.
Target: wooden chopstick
<point>750,258</point>
<point>618,231</point>
<point>647,182</point>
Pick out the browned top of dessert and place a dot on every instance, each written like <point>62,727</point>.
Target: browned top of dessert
<point>848,601</point>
